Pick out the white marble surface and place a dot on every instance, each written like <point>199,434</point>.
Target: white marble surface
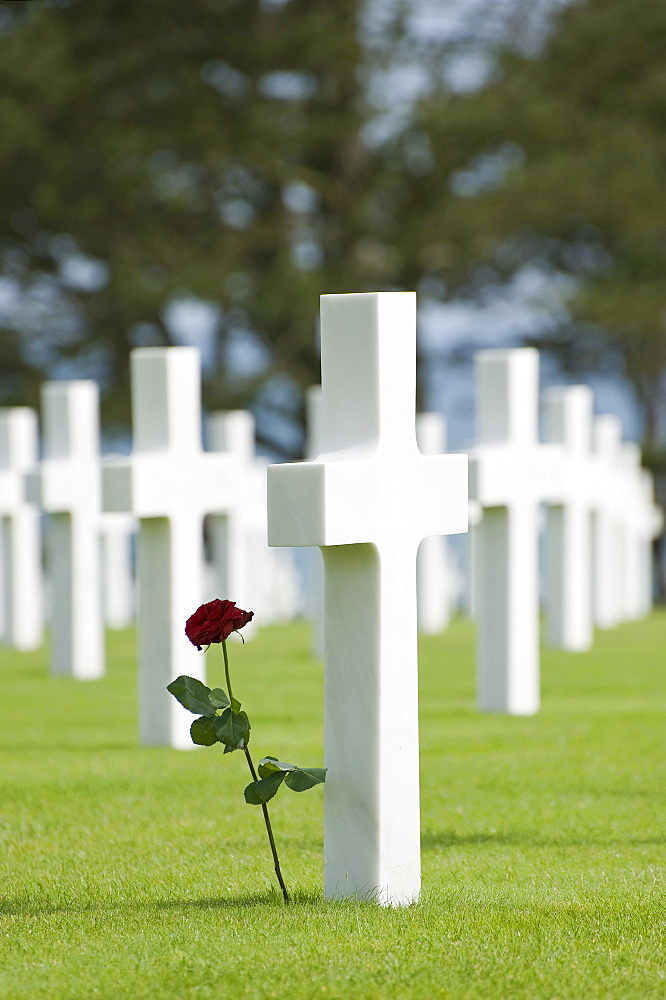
<point>568,418</point>
<point>608,545</point>
<point>511,473</point>
<point>368,500</point>
<point>642,521</point>
<point>117,533</point>
<point>21,582</point>
<point>169,484</point>
<point>434,583</point>
<point>232,531</point>
<point>67,486</point>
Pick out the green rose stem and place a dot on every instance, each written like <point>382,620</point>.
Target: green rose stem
<point>264,807</point>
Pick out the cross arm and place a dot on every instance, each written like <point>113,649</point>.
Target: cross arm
<point>61,485</point>
<point>13,489</point>
<point>366,500</point>
<point>502,474</point>
<point>117,486</point>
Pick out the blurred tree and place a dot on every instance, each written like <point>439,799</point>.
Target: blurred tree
<point>213,150</point>
<point>224,150</point>
<point>561,161</point>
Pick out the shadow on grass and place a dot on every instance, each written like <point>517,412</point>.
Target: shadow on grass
<point>39,746</point>
<point>242,902</point>
<point>20,906</point>
<point>447,838</point>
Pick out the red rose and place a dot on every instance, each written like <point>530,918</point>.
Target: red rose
<point>215,621</point>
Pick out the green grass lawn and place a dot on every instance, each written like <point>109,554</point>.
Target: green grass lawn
<point>130,872</point>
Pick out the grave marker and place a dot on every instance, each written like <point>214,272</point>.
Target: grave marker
<point>117,533</point>
<point>433,576</point>
<point>568,417</point>
<point>169,484</point>
<point>642,521</point>
<point>510,474</point>
<point>230,533</point>
<point>650,526</point>
<point>20,542</point>
<point>314,562</point>
<point>67,485</point>
<point>607,524</point>
<point>368,500</point>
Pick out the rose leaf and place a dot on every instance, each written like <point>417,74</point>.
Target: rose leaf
<point>202,731</point>
<point>271,765</point>
<point>218,698</point>
<point>192,694</point>
<point>232,728</point>
<point>259,792</point>
<point>305,777</point>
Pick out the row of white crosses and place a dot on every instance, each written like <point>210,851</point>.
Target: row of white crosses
<point>69,405</point>
<point>600,524</point>
<point>367,500</point>
<point>66,487</point>
<point>568,416</point>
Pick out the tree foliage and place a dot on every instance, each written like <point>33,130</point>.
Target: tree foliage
<point>562,160</point>
<point>213,149</point>
<point>219,149</point>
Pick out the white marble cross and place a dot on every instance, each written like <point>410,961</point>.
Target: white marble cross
<point>568,418</point>
<point>433,576</point>
<point>68,487</point>
<point>642,521</point>
<point>314,595</point>
<point>650,518</point>
<point>510,474</point>
<point>20,541</point>
<point>608,553</point>
<point>169,483</point>
<point>231,531</point>
<point>118,592</point>
<point>368,500</point>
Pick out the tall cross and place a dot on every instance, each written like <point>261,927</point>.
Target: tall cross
<point>568,416</point>
<point>20,542</point>
<point>68,488</point>
<point>510,474</point>
<point>231,533</point>
<point>169,484</point>
<point>607,523</point>
<point>650,518</point>
<point>433,577</point>
<point>314,565</point>
<point>118,592</point>
<point>642,522</point>
<point>368,500</point>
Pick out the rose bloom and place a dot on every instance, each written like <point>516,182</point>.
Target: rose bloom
<point>215,621</point>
